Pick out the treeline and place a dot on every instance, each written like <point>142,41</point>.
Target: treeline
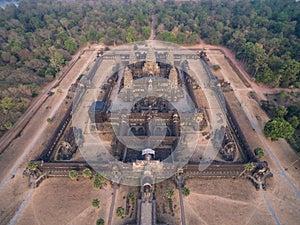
<point>284,111</point>
<point>38,37</point>
<point>264,34</point>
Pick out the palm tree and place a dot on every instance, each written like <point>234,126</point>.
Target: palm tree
<point>170,193</point>
<point>100,221</point>
<point>73,174</point>
<point>249,166</point>
<point>120,212</point>
<point>96,203</point>
<point>185,191</point>
<point>86,173</point>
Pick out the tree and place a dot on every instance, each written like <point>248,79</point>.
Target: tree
<point>73,174</point>
<point>131,197</point>
<point>185,191</point>
<point>57,61</point>
<point>32,165</point>
<point>120,212</point>
<point>131,34</point>
<point>70,45</point>
<point>146,31</point>
<point>278,128</point>
<point>216,67</point>
<point>168,36</point>
<point>8,125</point>
<point>170,193</point>
<point>36,64</point>
<point>86,173</point>
<point>7,103</point>
<point>281,111</point>
<point>288,72</point>
<point>294,121</point>
<point>249,166</point>
<point>100,221</point>
<point>259,152</point>
<point>265,75</point>
<point>96,184</point>
<point>98,180</point>
<point>96,203</point>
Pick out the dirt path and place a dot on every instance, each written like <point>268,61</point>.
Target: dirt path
<point>181,206</point>
<point>28,145</point>
<point>153,24</point>
<point>285,190</point>
<point>25,201</point>
<point>112,204</point>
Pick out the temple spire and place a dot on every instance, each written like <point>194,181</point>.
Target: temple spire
<point>132,57</point>
<point>170,58</point>
<point>127,77</point>
<point>150,55</point>
<point>173,77</point>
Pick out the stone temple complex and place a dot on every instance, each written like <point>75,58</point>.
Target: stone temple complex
<point>142,116</point>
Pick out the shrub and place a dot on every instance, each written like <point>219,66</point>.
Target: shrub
<point>216,67</point>
<point>120,212</point>
<point>86,173</point>
<point>185,191</point>
<point>100,221</point>
<point>73,174</point>
<point>96,203</point>
<point>259,152</point>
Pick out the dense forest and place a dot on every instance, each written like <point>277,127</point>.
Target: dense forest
<point>38,37</point>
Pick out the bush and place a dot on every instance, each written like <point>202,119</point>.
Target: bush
<point>73,174</point>
<point>278,128</point>
<point>100,221</point>
<point>216,67</point>
<point>96,203</point>
<point>120,212</point>
<point>259,152</point>
<point>32,165</point>
<point>98,180</point>
<point>86,173</point>
<point>131,197</point>
<point>170,193</point>
<point>185,191</point>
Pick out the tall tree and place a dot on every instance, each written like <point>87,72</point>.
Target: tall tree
<point>70,45</point>
<point>278,128</point>
<point>57,61</point>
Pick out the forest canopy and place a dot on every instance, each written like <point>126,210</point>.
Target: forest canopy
<point>38,37</point>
